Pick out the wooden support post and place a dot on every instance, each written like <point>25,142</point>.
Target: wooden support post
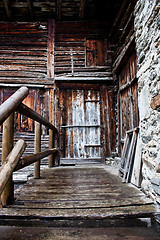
<point>37,148</point>
<point>51,161</point>
<point>10,163</point>
<point>7,195</point>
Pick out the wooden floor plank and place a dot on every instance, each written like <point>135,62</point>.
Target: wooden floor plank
<point>79,192</point>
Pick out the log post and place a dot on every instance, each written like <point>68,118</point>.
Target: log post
<point>51,159</point>
<point>10,163</point>
<point>7,195</point>
<point>37,149</point>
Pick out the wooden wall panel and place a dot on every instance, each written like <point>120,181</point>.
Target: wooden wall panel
<point>80,48</point>
<point>23,52</point>
<point>95,52</point>
<point>128,97</point>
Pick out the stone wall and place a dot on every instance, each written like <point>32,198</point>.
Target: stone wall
<point>147,29</point>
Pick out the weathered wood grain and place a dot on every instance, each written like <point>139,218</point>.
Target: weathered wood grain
<point>85,193</point>
<point>23,50</point>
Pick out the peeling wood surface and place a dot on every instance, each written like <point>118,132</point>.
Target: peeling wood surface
<point>90,192</point>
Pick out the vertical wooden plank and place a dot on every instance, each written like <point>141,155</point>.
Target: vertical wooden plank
<point>85,130</point>
<point>65,122</point>
<point>102,110</point>
<point>75,129</point>
<point>97,150</point>
<point>136,173</point>
<point>52,137</point>
<point>51,159</point>
<point>129,156</point>
<point>51,106</point>
<point>107,123</point>
<point>37,149</point>
<point>112,126</point>
<point>70,122</point>
<point>134,100</point>
<point>57,107</point>
<point>7,196</point>
<point>81,122</point>
<point>50,54</point>
<point>119,122</point>
<point>82,8</point>
<point>132,154</point>
<point>59,9</point>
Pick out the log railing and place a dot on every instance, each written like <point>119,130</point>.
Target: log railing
<point>12,159</point>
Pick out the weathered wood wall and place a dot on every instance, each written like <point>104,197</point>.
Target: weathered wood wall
<point>38,54</point>
<point>23,53</point>
<point>81,50</point>
<point>122,38</point>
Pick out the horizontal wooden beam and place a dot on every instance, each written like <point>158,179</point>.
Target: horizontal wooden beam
<point>12,103</point>
<point>28,112</point>
<point>26,161</point>
<point>10,163</point>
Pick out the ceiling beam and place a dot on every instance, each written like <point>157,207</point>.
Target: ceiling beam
<point>59,9</point>
<point>30,6</point>
<point>82,7</point>
<point>7,9</point>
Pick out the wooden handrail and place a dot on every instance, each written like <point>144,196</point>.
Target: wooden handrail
<point>12,103</point>
<point>11,157</point>
<point>27,160</point>
<point>10,163</point>
<point>28,112</point>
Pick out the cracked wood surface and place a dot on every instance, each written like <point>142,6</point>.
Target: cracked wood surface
<point>79,192</point>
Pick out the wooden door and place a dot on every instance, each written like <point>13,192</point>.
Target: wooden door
<point>128,98</point>
<point>80,124</point>
<point>84,116</point>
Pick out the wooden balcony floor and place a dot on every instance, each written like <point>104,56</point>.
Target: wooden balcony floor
<point>77,194</point>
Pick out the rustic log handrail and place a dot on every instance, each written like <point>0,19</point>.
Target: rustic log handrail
<point>28,160</point>
<point>12,103</point>
<point>28,112</point>
<point>11,157</point>
<point>10,163</point>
